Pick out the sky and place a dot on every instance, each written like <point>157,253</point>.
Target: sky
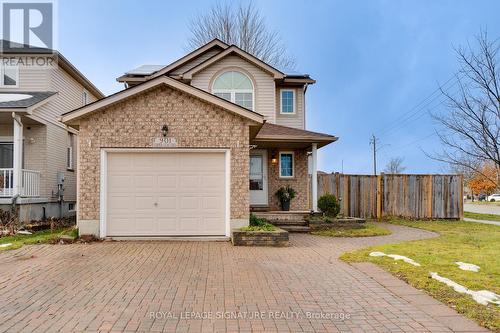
<point>377,63</point>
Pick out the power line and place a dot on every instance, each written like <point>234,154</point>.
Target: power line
<point>407,116</point>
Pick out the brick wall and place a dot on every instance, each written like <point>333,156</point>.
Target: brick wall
<point>137,120</point>
<point>298,182</point>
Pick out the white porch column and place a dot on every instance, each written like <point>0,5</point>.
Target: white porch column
<point>18,154</point>
<point>314,178</point>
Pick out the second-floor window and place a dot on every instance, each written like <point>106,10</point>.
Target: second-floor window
<point>235,87</point>
<point>287,101</point>
<point>9,76</point>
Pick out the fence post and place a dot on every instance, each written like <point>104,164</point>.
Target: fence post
<point>429,196</point>
<point>461,213</point>
<point>380,194</point>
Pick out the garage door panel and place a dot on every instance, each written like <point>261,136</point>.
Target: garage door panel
<point>188,189</point>
<point>167,203</point>
<point>189,203</point>
<point>144,202</point>
<point>167,182</point>
<point>120,183</point>
<point>145,225</point>
<point>168,226</point>
<point>212,203</point>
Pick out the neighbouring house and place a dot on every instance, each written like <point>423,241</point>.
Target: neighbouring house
<point>188,148</point>
<point>37,152</point>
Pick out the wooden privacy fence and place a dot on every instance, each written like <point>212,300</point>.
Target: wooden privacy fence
<point>404,195</point>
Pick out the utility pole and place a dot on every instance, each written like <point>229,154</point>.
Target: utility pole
<point>373,142</point>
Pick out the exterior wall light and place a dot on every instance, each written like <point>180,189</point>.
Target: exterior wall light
<point>274,160</point>
<point>164,130</point>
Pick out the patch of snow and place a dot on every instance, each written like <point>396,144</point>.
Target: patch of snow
<point>5,245</point>
<point>395,257</point>
<point>467,267</point>
<point>481,296</point>
<point>24,232</point>
<point>13,97</point>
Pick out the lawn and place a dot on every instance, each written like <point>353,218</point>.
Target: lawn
<point>480,216</point>
<point>369,229</point>
<point>459,241</point>
<point>45,236</point>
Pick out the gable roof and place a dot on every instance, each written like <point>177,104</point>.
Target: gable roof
<point>72,116</point>
<point>243,54</point>
<point>193,54</point>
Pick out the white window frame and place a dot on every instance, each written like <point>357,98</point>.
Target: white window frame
<point>233,92</point>
<point>293,163</point>
<point>2,71</point>
<point>293,102</point>
<point>69,158</point>
<point>85,97</point>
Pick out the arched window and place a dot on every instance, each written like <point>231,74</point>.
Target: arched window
<point>235,87</point>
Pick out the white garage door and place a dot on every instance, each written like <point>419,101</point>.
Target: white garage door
<point>165,194</point>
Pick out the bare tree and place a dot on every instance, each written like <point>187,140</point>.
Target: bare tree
<point>395,165</point>
<point>470,130</point>
<point>243,26</point>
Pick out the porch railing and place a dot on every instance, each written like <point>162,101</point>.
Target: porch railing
<point>6,182</point>
<point>30,186</point>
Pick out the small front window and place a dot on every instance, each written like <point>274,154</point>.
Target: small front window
<point>287,101</point>
<point>234,87</point>
<point>9,76</point>
<point>286,164</point>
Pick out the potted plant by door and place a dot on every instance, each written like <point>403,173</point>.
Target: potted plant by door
<point>285,195</point>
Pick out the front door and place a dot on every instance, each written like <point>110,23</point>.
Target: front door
<point>258,177</point>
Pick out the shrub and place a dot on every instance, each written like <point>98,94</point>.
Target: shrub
<point>286,193</point>
<point>329,205</point>
<point>255,221</point>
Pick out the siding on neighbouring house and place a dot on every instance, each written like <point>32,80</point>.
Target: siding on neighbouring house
<point>264,86</point>
<point>35,154</point>
<point>32,78</point>
<point>296,120</point>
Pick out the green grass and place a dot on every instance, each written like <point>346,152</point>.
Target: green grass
<point>459,241</point>
<point>480,216</point>
<point>369,229</point>
<point>493,203</point>
<point>39,237</point>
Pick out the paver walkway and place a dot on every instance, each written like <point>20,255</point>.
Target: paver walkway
<point>160,286</point>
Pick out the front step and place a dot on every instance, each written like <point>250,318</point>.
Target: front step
<point>289,221</point>
<point>295,228</point>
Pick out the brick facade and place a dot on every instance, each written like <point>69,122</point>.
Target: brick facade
<point>299,182</point>
<point>134,122</point>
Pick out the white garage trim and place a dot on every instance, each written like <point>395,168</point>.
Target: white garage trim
<point>104,173</point>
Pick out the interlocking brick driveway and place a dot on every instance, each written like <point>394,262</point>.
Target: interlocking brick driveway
<point>115,286</point>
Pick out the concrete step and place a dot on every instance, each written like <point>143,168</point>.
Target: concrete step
<point>288,222</point>
<point>295,228</point>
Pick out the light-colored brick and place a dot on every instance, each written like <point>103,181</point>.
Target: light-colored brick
<point>136,121</point>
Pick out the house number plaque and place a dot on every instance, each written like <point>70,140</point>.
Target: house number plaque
<point>165,142</point>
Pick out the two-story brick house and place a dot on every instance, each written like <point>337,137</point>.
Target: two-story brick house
<point>37,152</point>
<point>186,149</point>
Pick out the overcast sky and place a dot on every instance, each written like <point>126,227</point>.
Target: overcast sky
<point>377,63</point>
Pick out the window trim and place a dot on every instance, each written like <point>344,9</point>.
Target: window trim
<point>85,97</point>
<point>233,92</point>
<point>294,107</point>
<point>69,158</point>
<point>2,71</point>
<point>293,163</point>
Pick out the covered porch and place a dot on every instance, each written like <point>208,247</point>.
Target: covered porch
<point>17,178</point>
<point>284,156</point>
